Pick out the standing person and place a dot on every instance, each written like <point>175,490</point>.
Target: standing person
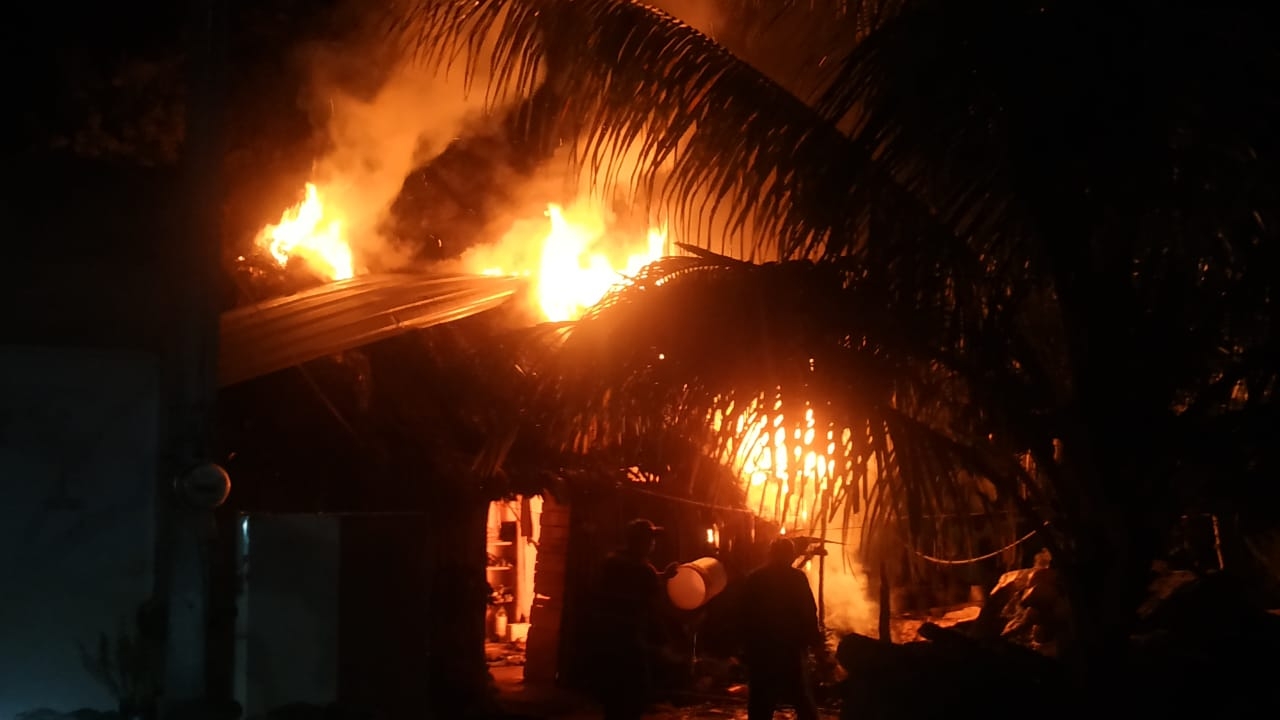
<point>632,603</point>
<point>780,626</point>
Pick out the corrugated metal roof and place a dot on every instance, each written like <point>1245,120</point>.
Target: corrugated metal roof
<point>276,334</point>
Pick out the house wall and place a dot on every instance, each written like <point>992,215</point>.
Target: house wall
<point>78,432</point>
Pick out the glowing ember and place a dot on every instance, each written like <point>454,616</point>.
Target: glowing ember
<point>308,232</point>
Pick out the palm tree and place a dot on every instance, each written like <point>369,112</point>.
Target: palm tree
<point>1056,218</point>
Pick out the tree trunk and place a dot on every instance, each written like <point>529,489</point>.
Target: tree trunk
<point>458,679</point>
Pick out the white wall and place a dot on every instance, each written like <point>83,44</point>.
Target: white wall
<point>77,476</point>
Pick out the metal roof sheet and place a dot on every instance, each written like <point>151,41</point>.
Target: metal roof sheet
<point>282,332</point>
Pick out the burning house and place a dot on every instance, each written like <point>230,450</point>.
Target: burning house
<point>394,384</point>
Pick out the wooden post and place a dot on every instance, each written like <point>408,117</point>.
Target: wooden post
<point>885,630</point>
<point>822,572</point>
<point>542,663</point>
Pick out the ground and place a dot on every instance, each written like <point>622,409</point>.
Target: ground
<point>532,701</point>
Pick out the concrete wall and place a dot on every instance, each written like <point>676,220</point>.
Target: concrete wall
<point>78,471</point>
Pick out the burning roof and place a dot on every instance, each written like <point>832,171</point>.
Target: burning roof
<point>275,334</point>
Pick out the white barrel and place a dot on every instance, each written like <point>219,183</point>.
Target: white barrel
<point>696,582</point>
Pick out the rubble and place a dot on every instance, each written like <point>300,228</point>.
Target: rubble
<point>1027,607</point>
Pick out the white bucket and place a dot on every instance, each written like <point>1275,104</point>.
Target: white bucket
<point>696,582</point>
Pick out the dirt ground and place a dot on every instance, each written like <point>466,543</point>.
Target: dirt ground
<point>522,699</point>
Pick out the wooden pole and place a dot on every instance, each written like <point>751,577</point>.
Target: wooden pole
<point>822,570</point>
<point>885,630</point>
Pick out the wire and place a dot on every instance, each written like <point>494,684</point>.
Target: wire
<point>980,558</point>
<point>686,501</point>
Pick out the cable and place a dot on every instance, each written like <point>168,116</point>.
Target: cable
<point>695,503</point>
<point>980,558</point>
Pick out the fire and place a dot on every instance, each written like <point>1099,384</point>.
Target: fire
<point>309,231</point>
<point>788,467</point>
<point>579,260</point>
<point>573,275</point>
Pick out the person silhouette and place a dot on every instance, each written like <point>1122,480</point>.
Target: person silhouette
<point>632,603</point>
<point>779,626</point>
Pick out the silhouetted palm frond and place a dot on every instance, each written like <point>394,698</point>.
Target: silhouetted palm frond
<point>701,132</point>
<point>1136,148</point>
<point>801,44</point>
<point>716,352</point>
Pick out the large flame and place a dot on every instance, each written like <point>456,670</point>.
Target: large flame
<point>579,259</point>
<point>575,271</point>
<point>790,468</point>
<point>311,232</point>
<point>578,262</point>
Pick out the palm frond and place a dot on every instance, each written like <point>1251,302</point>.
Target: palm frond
<point>1019,122</point>
<point>701,132</point>
<point>714,353</point>
<point>801,44</point>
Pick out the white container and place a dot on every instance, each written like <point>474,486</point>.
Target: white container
<point>500,624</point>
<point>695,583</point>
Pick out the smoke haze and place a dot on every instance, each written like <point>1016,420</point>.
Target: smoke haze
<point>383,115</point>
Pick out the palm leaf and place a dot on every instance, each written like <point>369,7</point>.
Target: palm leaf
<point>702,133</point>
<point>696,349</point>
<point>801,44</point>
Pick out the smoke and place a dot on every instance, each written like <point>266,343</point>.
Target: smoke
<point>615,200</point>
<point>383,115</point>
<point>604,229</point>
<point>846,598</point>
<point>515,233</point>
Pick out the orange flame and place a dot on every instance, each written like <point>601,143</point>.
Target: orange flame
<point>573,275</point>
<point>572,272</point>
<point>577,263</point>
<point>788,468</point>
<point>308,231</point>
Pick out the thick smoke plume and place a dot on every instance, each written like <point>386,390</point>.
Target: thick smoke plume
<point>384,114</point>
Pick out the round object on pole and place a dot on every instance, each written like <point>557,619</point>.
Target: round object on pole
<point>695,583</point>
<point>205,486</point>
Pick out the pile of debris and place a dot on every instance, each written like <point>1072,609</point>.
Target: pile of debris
<point>504,654</point>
